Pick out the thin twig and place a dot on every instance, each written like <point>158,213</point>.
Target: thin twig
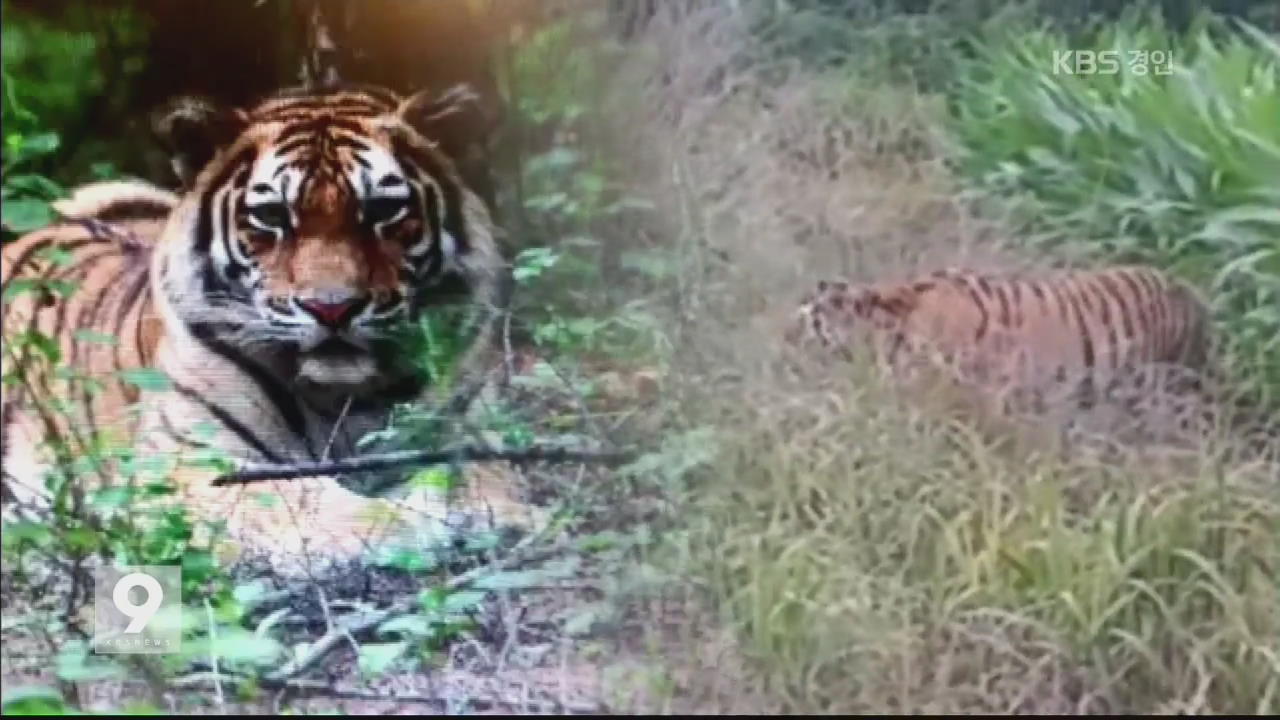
<point>337,425</point>
<point>213,656</point>
<point>255,472</point>
<point>508,355</point>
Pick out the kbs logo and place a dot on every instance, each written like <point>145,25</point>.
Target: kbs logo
<point>137,609</point>
<point>1110,62</point>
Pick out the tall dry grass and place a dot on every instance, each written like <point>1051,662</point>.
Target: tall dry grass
<point>867,550</point>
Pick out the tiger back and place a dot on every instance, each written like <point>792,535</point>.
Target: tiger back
<point>270,294</point>
<point>1081,330</point>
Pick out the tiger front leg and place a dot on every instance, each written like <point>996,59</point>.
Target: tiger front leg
<point>300,524</point>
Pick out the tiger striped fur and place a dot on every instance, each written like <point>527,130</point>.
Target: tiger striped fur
<point>1082,330</point>
<point>313,226</point>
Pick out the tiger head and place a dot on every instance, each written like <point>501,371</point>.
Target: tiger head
<point>315,224</point>
<point>838,313</point>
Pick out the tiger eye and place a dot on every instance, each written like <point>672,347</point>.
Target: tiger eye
<point>381,210</point>
<point>274,216</point>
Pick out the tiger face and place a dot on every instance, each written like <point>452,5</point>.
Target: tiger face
<point>315,229</point>
<point>310,227</point>
<point>837,314</point>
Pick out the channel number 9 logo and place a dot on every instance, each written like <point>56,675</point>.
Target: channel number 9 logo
<point>139,615</point>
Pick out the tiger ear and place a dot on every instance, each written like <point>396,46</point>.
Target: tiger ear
<point>453,119</point>
<point>193,130</point>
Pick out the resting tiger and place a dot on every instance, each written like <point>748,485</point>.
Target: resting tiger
<point>312,227</point>
<point>1079,330</point>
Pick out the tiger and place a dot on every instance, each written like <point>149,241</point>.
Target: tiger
<point>1082,332</point>
<point>311,227</point>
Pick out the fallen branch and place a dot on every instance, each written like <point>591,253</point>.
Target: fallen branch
<point>255,472</point>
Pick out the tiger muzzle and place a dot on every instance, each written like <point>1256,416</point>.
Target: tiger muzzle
<point>334,310</point>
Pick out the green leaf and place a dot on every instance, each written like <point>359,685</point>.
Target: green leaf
<point>482,541</point>
<point>35,700</point>
<point>93,336</point>
<point>265,499</point>
<point>44,345</point>
<point>29,531</point>
<point>104,171</point>
<point>40,143</point>
<point>81,540</point>
<point>112,498</point>
<point>407,559</point>
<point>627,203</point>
<point>18,286</point>
<point>25,214</point>
<point>249,594</point>
<point>559,158</point>
<point>600,541</point>
<point>377,658</point>
<point>375,437</point>
<point>533,262</point>
<point>81,667</point>
<point>152,466</point>
<point>36,186</point>
<point>432,600</point>
<point>146,379</point>
<point>237,645</point>
<point>463,601</point>
<point>407,625</point>
<point>197,564</point>
<point>435,478</point>
<point>547,202</point>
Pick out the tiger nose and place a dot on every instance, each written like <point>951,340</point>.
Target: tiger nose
<point>333,309</point>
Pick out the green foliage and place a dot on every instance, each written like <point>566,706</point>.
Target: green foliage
<point>25,195</point>
<point>445,610</point>
<point>55,65</point>
<point>437,342</point>
<point>108,504</point>
<point>570,197</point>
<point>67,70</point>
<point>1178,169</point>
<point>35,700</point>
